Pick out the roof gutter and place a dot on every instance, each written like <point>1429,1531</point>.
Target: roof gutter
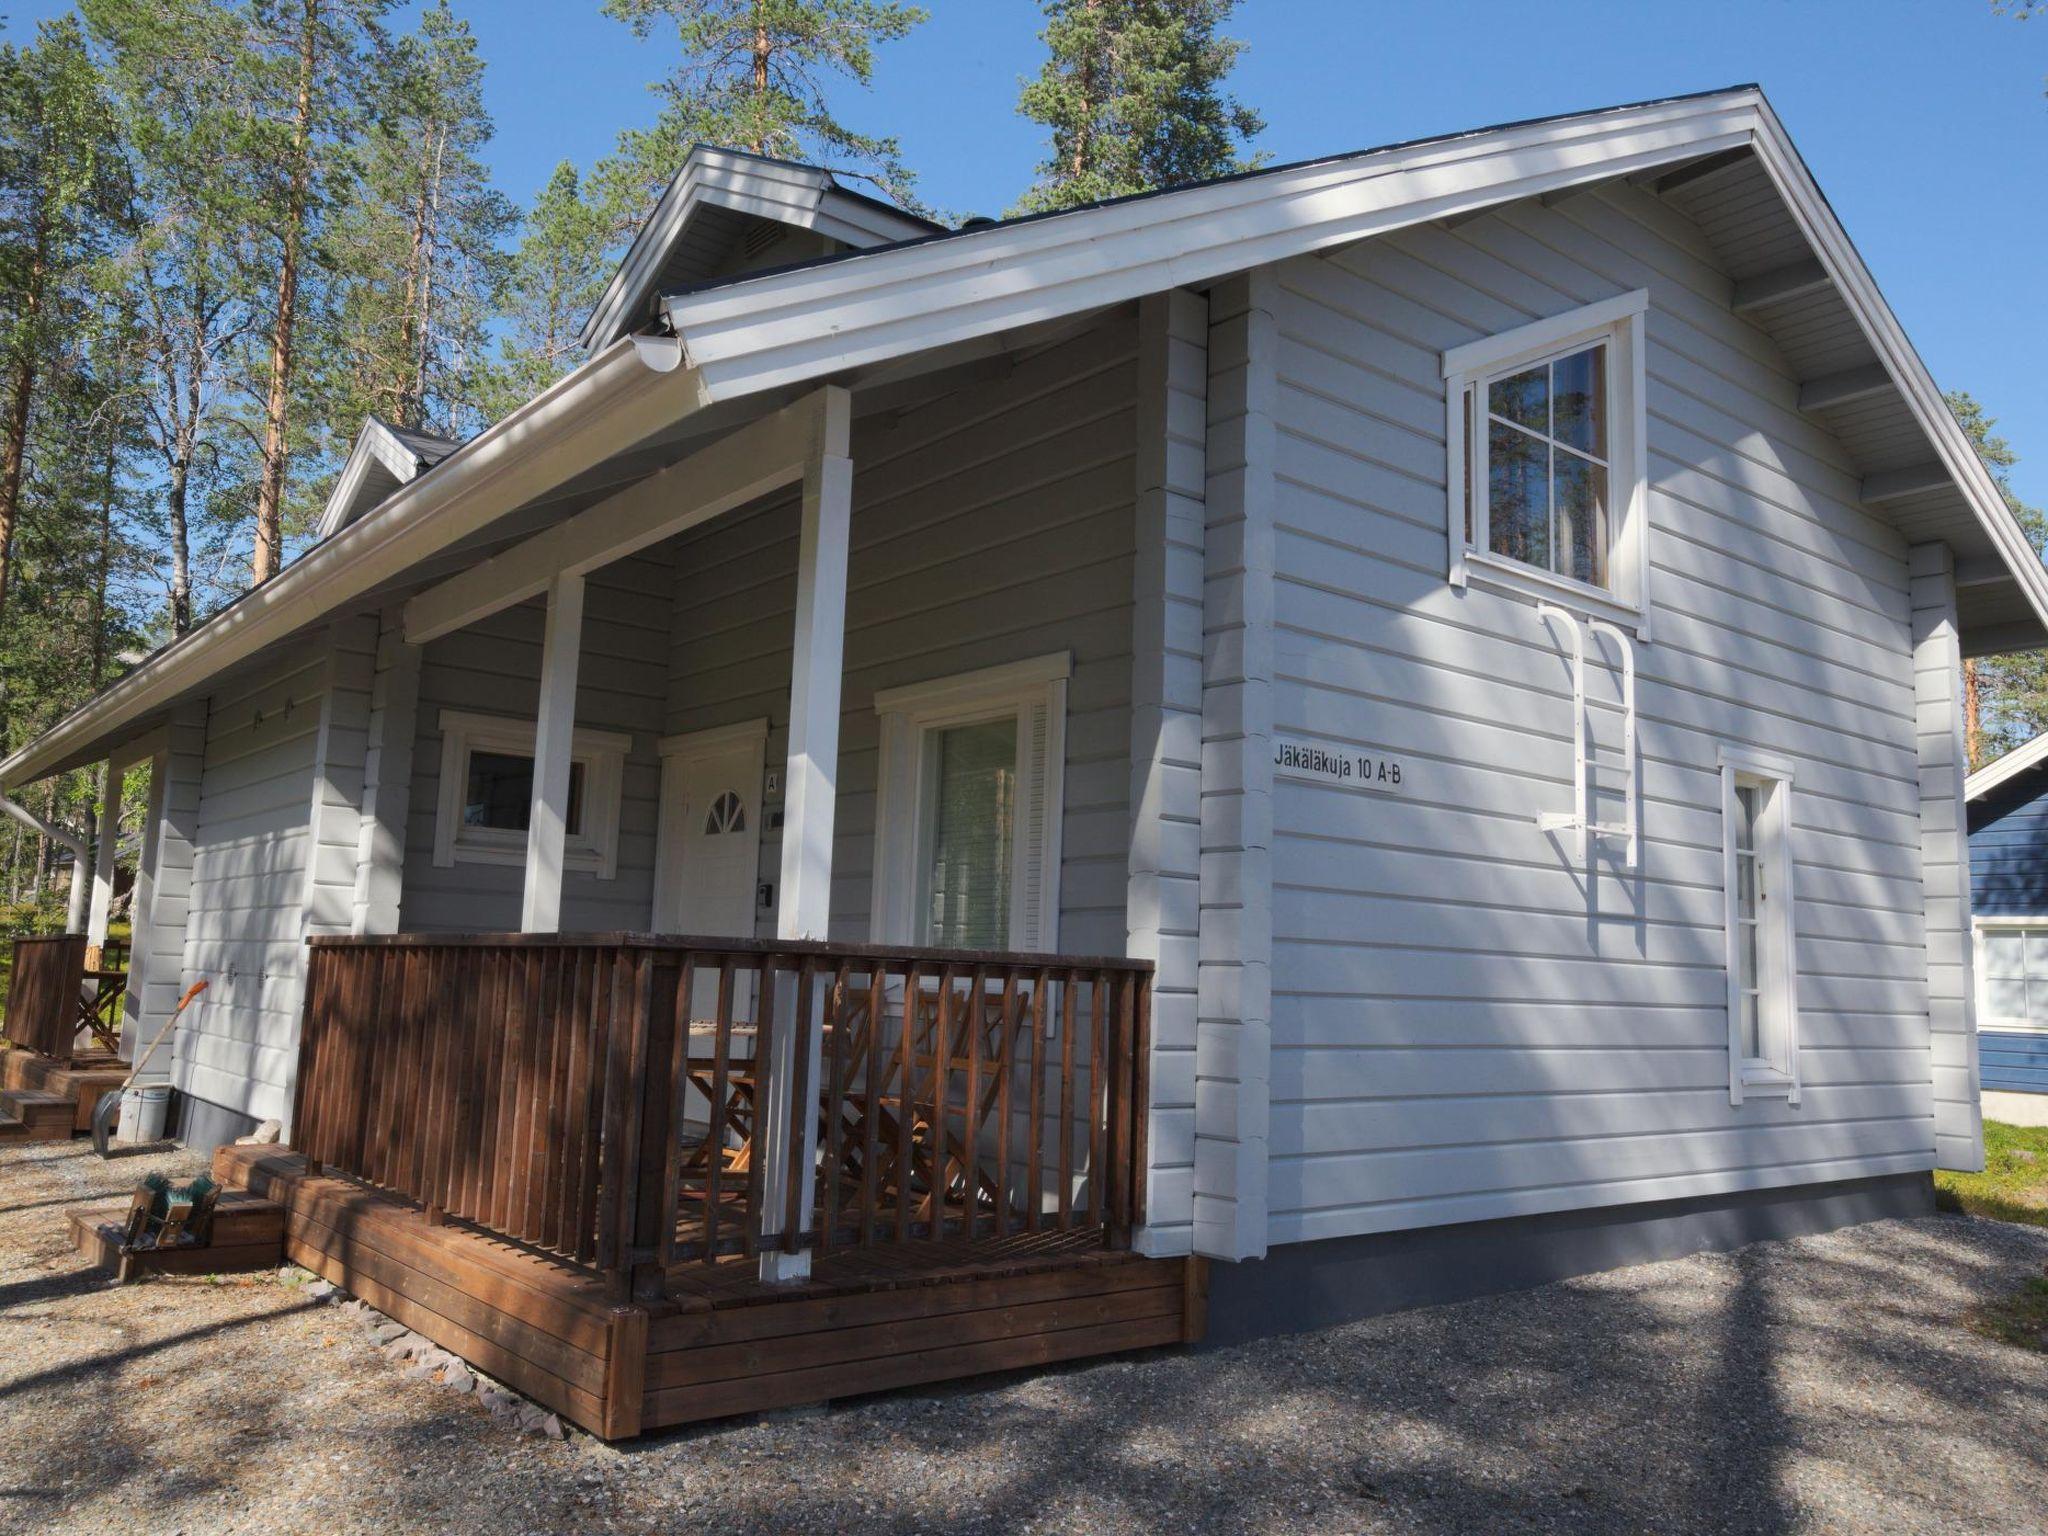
<point>619,397</point>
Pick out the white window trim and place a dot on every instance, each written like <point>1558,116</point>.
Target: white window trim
<point>1619,323</point>
<point>1777,961</point>
<point>1987,1020</point>
<point>907,713</point>
<point>595,850</point>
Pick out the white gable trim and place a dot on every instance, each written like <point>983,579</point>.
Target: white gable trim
<point>757,333</point>
<point>2010,766</point>
<point>801,196</point>
<point>375,444</point>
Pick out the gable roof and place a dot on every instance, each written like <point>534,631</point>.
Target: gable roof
<point>737,347</point>
<point>383,458</point>
<point>716,204</point>
<point>1722,157</point>
<point>2019,760</point>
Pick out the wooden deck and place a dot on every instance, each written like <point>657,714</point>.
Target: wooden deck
<point>721,1342</point>
<point>44,1099</point>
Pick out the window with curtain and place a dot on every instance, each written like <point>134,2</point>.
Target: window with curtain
<point>967,818</point>
<point>972,817</point>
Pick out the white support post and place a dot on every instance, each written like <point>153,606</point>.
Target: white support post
<point>1164,888</point>
<point>1234,998</point>
<point>105,856</point>
<point>1945,860</point>
<point>142,938</point>
<point>387,779</point>
<point>554,737</point>
<point>804,909</point>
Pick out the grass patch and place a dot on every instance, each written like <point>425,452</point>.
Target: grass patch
<point>2014,1183</point>
<point>2021,1318</point>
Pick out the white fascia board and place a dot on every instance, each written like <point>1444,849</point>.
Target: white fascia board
<point>782,328</point>
<point>605,407</point>
<point>1859,290</point>
<point>800,196</point>
<point>642,260</point>
<point>2010,766</point>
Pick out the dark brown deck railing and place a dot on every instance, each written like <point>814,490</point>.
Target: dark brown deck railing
<point>44,992</point>
<point>540,1087</point>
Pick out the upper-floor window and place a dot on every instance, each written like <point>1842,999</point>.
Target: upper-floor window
<point>1546,466</point>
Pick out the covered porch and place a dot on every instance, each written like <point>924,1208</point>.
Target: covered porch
<point>736,885</point>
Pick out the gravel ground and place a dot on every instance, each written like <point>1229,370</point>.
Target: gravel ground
<point>1821,1384</point>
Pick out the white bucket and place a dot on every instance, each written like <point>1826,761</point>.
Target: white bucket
<point>142,1112</point>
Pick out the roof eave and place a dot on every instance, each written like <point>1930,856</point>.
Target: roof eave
<point>607,405</point>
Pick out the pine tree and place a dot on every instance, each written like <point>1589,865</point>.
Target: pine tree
<point>186,86</point>
<point>551,285</point>
<point>2005,698</point>
<point>754,76</point>
<point>1132,92</point>
<point>313,47</point>
<point>416,248</point>
<point>58,186</point>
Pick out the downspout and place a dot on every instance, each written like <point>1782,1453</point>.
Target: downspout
<point>81,861</point>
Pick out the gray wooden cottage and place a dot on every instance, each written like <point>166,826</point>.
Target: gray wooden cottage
<point>1388,724</point>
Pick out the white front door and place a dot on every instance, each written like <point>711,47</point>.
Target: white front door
<point>710,835</point>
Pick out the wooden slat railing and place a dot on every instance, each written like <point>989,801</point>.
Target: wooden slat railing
<point>44,991</point>
<point>540,1087</point>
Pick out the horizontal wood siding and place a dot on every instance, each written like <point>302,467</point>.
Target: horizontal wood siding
<point>250,853</point>
<point>493,668</point>
<point>991,524</point>
<point>1462,1028</point>
<point>2017,1063</point>
<point>2009,849</point>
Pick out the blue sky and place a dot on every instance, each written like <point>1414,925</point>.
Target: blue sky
<point>1924,122</point>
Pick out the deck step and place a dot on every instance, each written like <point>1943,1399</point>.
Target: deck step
<point>11,1129</point>
<point>248,1233</point>
<point>45,1116</point>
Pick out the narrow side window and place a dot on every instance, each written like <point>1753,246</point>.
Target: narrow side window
<point>1763,992</point>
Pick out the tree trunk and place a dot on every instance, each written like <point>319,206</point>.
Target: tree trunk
<point>1084,132</point>
<point>181,549</point>
<point>415,331</point>
<point>761,53</point>
<point>14,446</point>
<point>104,563</point>
<point>269,553</point>
<point>1973,716</point>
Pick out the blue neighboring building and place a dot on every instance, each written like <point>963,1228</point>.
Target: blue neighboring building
<point>2009,905</point>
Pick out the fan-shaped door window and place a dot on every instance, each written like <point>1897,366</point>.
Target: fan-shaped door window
<point>728,813</point>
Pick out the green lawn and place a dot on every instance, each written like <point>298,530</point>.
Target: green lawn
<point>2014,1183</point>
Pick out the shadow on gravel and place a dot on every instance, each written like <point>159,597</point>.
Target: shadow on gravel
<point>1702,1395</point>
<point>101,1364</point>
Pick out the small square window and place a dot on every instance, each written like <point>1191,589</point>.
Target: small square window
<point>1546,460</point>
<point>486,800</point>
<point>500,793</point>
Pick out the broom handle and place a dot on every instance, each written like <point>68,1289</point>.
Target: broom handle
<point>191,992</point>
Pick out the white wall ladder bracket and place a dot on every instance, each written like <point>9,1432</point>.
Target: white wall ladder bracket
<point>1583,747</point>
